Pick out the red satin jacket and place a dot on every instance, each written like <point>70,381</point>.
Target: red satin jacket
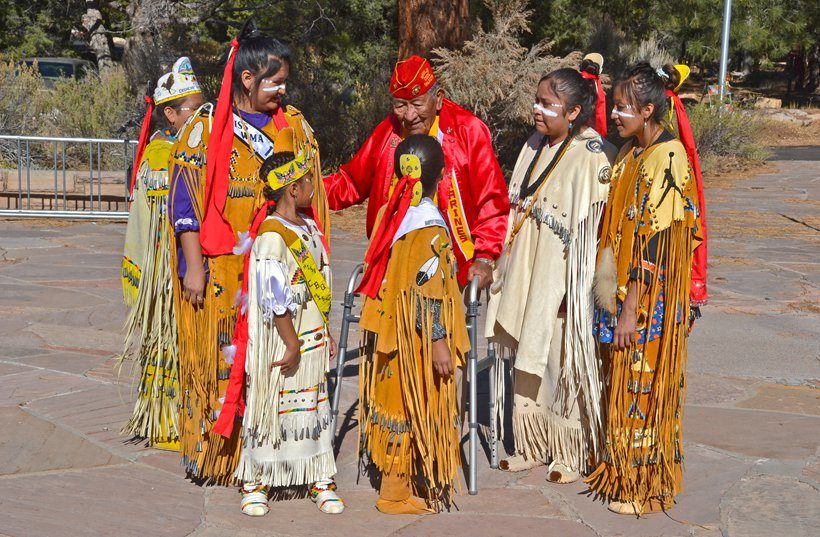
<point>468,157</point>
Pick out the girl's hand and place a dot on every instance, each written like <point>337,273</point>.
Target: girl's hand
<point>333,347</point>
<point>624,334</point>
<point>290,361</point>
<point>442,360</point>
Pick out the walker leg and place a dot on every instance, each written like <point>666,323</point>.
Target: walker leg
<point>341,350</point>
<point>493,418</point>
<point>472,373</point>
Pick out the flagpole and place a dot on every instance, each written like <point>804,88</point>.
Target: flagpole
<point>724,48</point>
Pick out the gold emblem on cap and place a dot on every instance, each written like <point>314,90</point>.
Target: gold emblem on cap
<point>416,89</point>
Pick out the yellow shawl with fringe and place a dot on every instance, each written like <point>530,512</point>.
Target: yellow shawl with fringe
<point>409,415</point>
<point>151,339</point>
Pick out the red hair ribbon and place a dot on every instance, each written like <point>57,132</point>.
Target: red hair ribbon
<point>698,294</point>
<point>378,253</point>
<point>234,404</point>
<point>600,105</point>
<point>143,141</point>
<point>216,235</point>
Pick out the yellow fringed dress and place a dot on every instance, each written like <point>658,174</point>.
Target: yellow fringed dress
<point>650,231</point>
<point>204,332</point>
<point>151,325</point>
<point>409,417</point>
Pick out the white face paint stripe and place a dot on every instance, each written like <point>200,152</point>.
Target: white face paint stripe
<point>274,88</point>
<point>546,111</point>
<point>623,114</point>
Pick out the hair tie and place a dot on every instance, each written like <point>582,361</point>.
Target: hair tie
<point>410,165</point>
<point>662,73</point>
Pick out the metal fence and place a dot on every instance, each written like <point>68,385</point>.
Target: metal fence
<point>57,177</point>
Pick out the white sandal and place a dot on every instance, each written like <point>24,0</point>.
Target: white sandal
<point>255,500</point>
<point>323,494</point>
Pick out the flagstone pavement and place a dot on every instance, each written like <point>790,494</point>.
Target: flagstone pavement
<point>751,429</point>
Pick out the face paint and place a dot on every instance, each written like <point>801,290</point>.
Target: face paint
<point>622,113</point>
<point>277,88</point>
<point>546,111</point>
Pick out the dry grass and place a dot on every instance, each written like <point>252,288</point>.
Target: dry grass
<point>734,224</point>
<point>786,133</point>
<point>353,220</point>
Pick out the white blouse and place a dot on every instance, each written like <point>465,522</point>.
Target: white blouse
<point>273,290</point>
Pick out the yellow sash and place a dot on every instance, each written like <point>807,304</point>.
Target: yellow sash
<point>458,221</point>
<point>462,237</point>
<point>316,283</point>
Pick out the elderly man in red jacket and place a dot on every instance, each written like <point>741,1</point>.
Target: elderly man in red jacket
<point>472,195</point>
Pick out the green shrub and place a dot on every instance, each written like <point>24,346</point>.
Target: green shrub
<point>732,138</point>
<point>20,105</point>
<point>94,106</point>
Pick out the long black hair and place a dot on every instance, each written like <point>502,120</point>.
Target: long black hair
<point>430,155</point>
<point>258,53</point>
<point>643,85</point>
<point>574,90</point>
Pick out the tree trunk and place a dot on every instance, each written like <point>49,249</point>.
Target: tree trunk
<point>98,39</point>
<point>427,24</point>
<point>147,55</point>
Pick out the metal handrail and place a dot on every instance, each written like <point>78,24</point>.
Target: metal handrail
<point>35,195</point>
<point>66,139</point>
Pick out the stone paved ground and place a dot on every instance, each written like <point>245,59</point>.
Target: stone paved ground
<point>752,425</point>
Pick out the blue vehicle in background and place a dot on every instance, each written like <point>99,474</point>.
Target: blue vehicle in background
<point>53,69</point>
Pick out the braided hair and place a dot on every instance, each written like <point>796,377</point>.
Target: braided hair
<point>643,84</point>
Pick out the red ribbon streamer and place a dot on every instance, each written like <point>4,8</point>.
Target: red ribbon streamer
<point>378,253</point>
<point>143,141</point>
<point>600,105</point>
<point>234,404</point>
<point>698,294</point>
<point>216,235</point>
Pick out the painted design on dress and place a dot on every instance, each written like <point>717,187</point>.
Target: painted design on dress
<point>669,183</point>
<point>427,271</point>
<point>595,146</point>
<point>605,175</point>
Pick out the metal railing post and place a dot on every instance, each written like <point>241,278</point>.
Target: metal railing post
<point>35,191</point>
<point>19,175</point>
<point>28,175</point>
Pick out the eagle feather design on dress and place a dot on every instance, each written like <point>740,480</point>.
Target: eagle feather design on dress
<point>427,270</point>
